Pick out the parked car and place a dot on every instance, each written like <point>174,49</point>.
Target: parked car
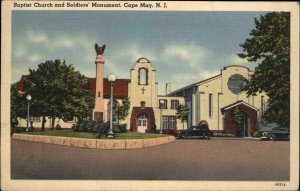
<point>275,133</point>
<point>196,132</point>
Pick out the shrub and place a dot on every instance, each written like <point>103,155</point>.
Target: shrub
<point>58,127</point>
<point>119,128</point>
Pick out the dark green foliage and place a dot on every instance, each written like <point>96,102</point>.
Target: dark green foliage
<point>182,113</point>
<point>18,104</point>
<point>237,118</point>
<point>122,111</point>
<point>99,128</point>
<point>119,128</point>
<point>269,46</point>
<point>58,91</point>
<point>58,127</point>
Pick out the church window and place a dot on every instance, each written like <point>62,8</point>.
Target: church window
<point>262,104</point>
<point>143,104</point>
<point>142,121</point>
<point>169,122</point>
<point>143,76</point>
<point>165,122</point>
<point>174,104</point>
<point>210,106</point>
<point>163,104</point>
<point>235,83</point>
<point>172,122</point>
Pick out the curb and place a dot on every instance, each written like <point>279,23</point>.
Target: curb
<point>96,143</point>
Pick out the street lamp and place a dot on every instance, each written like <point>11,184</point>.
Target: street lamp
<point>28,97</point>
<point>111,79</point>
<point>161,103</point>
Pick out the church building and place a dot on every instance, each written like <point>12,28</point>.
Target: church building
<point>148,110</point>
<point>212,102</point>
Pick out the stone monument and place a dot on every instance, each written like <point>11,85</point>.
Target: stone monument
<point>99,100</point>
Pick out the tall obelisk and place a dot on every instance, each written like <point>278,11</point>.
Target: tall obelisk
<point>99,100</point>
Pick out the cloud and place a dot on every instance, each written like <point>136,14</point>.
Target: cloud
<point>189,54</point>
<point>19,52</point>
<point>34,58</point>
<point>236,60</point>
<point>37,37</point>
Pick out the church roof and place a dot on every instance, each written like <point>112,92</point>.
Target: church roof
<point>120,86</point>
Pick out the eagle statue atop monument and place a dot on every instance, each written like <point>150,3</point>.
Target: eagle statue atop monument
<point>99,49</point>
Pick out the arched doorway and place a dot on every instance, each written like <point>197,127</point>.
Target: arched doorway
<point>142,120</point>
<point>142,123</point>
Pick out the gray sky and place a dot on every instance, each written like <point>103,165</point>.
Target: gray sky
<point>184,47</point>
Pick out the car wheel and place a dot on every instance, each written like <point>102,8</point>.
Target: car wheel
<point>271,137</point>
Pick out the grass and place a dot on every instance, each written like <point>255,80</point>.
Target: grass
<point>70,133</point>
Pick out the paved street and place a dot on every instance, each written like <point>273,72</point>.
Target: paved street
<point>182,160</point>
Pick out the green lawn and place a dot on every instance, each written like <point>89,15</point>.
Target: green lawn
<point>70,133</point>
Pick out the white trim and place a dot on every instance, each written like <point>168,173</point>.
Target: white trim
<point>242,102</point>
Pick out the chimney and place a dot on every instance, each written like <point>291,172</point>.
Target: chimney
<point>168,88</point>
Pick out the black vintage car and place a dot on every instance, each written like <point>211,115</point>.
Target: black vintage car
<point>275,133</point>
<point>196,132</point>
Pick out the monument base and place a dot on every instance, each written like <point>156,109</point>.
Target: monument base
<point>98,116</point>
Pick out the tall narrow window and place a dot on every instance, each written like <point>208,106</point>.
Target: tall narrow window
<point>174,104</point>
<point>165,122</point>
<point>143,104</point>
<point>172,122</point>
<point>262,104</point>
<point>210,106</point>
<point>143,76</point>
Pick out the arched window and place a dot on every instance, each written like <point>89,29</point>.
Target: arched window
<point>143,76</point>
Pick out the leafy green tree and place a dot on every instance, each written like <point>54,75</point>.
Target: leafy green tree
<point>122,111</point>
<point>237,119</point>
<point>269,46</point>
<point>58,91</point>
<point>182,113</point>
<point>18,104</point>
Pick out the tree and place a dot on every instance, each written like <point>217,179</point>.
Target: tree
<point>182,113</point>
<point>237,119</point>
<point>58,91</point>
<point>269,46</point>
<point>18,105</point>
<point>122,111</point>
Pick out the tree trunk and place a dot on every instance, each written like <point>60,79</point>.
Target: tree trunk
<point>43,122</point>
<point>53,123</point>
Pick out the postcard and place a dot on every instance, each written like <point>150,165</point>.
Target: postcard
<point>149,95</point>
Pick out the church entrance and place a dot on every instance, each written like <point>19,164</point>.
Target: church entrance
<point>142,123</point>
<point>248,119</point>
<point>142,120</point>
<point>243,131</point>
